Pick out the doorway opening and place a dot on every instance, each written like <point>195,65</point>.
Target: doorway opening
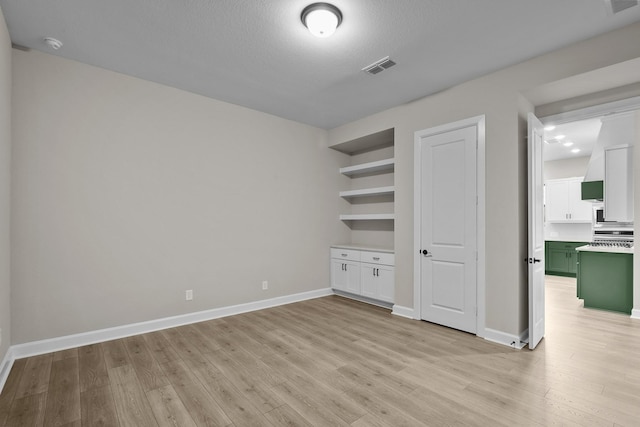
<point>574,152</point>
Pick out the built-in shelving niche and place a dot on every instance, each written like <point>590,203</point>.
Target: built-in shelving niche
<point>369,193</point>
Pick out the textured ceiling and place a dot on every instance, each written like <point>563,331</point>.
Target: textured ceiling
<point>257,53</point>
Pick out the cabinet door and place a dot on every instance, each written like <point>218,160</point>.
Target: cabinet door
<point>378,281</point>
<point>352,271</point>
<point>556,201</point>
<point>558,261</point>
<point>579,210</point>
<point>386,283</point>
<point>618,184</point>
<point>368,280</point>
<point>338,275</point>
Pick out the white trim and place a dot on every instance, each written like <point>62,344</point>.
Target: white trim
<point>479,123</point>
<point>402,311</point>
<point>635,313</point>
<point>509,340</point>
<point>615,107</point>
<point>5,367</point>
<point>71,341</point>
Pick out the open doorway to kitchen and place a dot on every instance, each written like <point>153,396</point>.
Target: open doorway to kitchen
<point>588,205</point>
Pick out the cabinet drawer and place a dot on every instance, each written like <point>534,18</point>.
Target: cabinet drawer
<point>345,254</point>
<point>378,258</point>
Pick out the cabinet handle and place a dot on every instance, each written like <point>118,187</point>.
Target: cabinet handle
<point>343,254</point>
<point>376,258</point>
<point>373,270</point>
<point>378,272</point>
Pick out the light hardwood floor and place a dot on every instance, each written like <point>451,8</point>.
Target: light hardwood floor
<point>336,362</point>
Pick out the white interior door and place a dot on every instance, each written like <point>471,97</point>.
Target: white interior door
<point>448,229</point>
<point>535,258</point>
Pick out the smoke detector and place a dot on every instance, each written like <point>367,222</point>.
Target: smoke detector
<point>379,66</point>
<point>617,6</point>
<point>54,44</point>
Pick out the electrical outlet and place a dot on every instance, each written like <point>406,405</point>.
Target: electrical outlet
<point>265,285</point>
<point>188,295</point>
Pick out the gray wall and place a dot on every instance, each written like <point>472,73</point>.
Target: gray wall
<point>499,97</point>
<point>5,179</point>
<point>126,193</point>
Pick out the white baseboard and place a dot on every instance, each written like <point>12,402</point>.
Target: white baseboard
<point>402,311</point>
<point>5,367</point>
<point>503,338</point>
<point>635,313</point>
<point>77,340</point>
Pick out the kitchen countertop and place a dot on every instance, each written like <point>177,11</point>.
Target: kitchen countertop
<point>570,239</point>
<point>609,249</point>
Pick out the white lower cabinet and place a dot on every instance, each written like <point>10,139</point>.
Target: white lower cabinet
<point>345,275</point>
<point>366,273</point>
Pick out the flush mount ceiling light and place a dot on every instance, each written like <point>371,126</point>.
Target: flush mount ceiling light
<point>54,44</point>
<point>321,19</point>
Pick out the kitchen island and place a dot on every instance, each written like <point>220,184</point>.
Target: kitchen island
<point>605,277</point>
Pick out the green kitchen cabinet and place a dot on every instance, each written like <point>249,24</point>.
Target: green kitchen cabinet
<point>605,280</point>
<point>592,190</point>
<point>561,258</point>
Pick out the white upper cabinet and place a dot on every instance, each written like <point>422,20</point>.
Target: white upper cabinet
<point>563,202</point>
<point>618,183</point>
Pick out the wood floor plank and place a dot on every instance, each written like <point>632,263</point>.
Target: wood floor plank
<point>10,388</point>
<point>98,408</point>
<point>114,353</point>
<point>160,347</point>
<point>130,401</point>
<point>65,354</point>
<point>27,411</point>
<point>146,366</point>
<point>168,408</point>
<point>235,405</point>
<point>244,379</point>
<point>93,368</point>
<point>63,396</point>
<point>285,416</point>
<point>35,378</point>
<point>202,406</point>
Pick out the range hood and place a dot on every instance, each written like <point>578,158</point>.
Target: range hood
<point>617,129</point>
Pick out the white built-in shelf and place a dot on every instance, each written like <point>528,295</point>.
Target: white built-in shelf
<point>384,138</point>
<point>367,217</point>
<point>386,165</point>
<point>368,192</point>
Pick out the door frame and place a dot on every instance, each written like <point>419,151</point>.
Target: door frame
<point>479,123</point>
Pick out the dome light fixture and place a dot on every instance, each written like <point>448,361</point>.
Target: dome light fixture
<point>321,19</point>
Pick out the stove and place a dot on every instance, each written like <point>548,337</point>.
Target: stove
<point>613,237</point>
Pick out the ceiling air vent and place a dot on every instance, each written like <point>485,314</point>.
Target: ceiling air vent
<point>379,66</point>
<point>616,6</point>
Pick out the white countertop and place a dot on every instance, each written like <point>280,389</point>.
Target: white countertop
<point>608,249</point>
<point>568,239</point>
<point>364,248</point>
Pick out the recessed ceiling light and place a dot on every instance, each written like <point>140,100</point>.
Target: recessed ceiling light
<point>560,137</point>
<point>575,150</point>
<point>321,19</point>
<point>568,144</point>
<point>549,128</point>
